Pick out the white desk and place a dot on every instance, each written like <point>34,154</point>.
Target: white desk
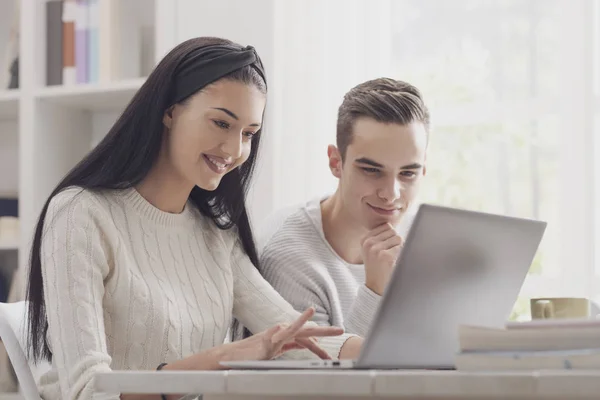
<point>357,385</point>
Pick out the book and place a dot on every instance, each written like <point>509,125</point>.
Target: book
<point>4,285</point>
<point>93,41</point>
<point>108,41</point>
<point>119,40</point>
<point>9,207</point>
<point>54,42</point>
<point>529,360</point>
<point>81,40</point>
<point>68,21</point>
<point>554,323</point>
<point>475,338</point>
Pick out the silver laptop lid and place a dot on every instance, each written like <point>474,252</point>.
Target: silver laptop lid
<point>457,267</point>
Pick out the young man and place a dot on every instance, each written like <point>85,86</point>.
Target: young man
<point>337,253</point>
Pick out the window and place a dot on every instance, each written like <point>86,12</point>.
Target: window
<point>513,91</point>
<point>507,82</point>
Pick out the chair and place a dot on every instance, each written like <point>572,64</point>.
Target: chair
<point>12,333</point>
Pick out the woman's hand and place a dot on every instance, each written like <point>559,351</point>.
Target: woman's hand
<point>263,346</point>
<point>281,338</point>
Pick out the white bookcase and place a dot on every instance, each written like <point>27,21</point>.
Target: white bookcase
<point>50,128</point>
<point>45,130</point>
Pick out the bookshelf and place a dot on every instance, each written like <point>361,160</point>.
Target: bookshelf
<point>92,97</point>
<point>45,129</point>
<point>9,180</point>
<point>71,116</point>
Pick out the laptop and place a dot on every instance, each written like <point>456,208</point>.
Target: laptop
<point>457,267</point>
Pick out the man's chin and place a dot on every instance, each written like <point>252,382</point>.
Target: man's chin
<point>373,223</point>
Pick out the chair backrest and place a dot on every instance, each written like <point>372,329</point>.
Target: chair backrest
<point>12,333</point>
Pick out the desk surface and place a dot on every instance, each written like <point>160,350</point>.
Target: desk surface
<point>398,384</point>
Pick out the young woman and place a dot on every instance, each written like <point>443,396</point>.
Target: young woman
<point>143,254</point>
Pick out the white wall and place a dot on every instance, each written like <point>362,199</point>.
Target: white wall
<point>339,44</point>
<point>348,39</point>
<point>248,23</point>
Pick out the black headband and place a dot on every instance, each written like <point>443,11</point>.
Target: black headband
<point>210,63</point>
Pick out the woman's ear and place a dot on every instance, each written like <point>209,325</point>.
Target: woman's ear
<point>168,117</point>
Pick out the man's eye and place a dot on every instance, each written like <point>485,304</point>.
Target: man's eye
<point>370,170</point>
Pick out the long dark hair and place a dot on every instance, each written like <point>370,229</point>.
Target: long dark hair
<point>124,158</point>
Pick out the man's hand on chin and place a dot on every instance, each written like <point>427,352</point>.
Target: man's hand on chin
<point>380,250</point>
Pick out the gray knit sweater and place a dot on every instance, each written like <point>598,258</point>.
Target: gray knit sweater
<point>299,262</point>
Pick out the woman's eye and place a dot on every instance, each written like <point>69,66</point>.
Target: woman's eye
<point>249,134</point>
<point>221,124</point>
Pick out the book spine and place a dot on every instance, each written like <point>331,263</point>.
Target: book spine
<point>68,23</point>
<point>54,42</point>
<point>107,44</point>
<point>81,41</point>
<point>93,45</point>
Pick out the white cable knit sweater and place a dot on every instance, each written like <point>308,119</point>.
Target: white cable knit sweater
<point>128,286</point>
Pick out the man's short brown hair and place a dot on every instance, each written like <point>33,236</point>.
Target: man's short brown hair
<point>384,100</point>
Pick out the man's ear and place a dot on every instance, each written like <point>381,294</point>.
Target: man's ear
<point>168,117</point>
<point>335,161</point>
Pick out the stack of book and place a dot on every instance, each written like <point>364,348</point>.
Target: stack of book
<point>90,41</point>
<point>535,345</point>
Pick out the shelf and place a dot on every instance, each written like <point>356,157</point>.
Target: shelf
<point>9,245</point>
<point>11,396</point>
<point>93,97</point>
<point>9,104</point>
